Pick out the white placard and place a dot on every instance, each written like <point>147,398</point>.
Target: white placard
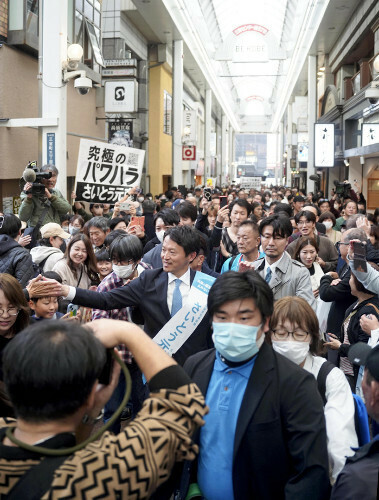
<point>250,182</point>
<point>370,133</point>
<point>324,144</point>
<point>105,172</point>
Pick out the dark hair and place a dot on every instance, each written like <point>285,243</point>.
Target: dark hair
<point>79,218</point>
<point>102,254</point>
<point>302,242</point>
<point>50,369</point>
<point>44,242</point>
<point>11,225</point>
<point>359,286</point>
<point>320,201</point>
<point>91,205</point>
<point>126,247</point>
<point>187,210</point>
<point>99,222</point>
<point>374,231</point>
<point>65,217</point>
<point>112,223</point>
<point>281,225</point>
<point>148,206</point>
<point>238,286</point>
<point>52,275</point>
<point>186,237</point>
<point>310,216</point>
<point>89,263</point>
<point>376,215</point>
<point>253,225</point>
<point>14,294</point>
<point>110,237</point>
<point>297,311</point>
<point>241,203</point>
<point>283,207</point>
<point>169,216</point>
<point>327,215</point>
<point>298,198</point>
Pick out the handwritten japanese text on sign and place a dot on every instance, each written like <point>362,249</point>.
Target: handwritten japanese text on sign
<point>105,172</point>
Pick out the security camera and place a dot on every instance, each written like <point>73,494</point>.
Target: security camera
<point>372,93</point>
<point>83,85</point>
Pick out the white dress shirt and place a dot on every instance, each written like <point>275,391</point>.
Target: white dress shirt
<point>272,266</point>
<point>339,414</point>
<point>184,288</point>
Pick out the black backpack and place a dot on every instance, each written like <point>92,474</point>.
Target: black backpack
<point>38,268</point>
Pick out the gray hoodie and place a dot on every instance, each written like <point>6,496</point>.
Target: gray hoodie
<point>41,253</point>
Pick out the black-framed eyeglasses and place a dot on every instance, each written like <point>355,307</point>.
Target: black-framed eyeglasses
<point>283,334</point>
<point>1,221</point>
<point>98,206</point>
<point>339,243</point>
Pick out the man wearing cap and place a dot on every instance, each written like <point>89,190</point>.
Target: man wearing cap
<point>359,477</point>
<point>47,254</point>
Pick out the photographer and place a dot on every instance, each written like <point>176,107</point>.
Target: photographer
<point>51,374</point>
<point>33,205</point>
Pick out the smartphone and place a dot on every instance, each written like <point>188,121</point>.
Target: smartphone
<point>360,262</point>
<point>208,194</point>
<point>327,338</point>
<point>223,201</point>
<point>138,221</point>
<point>72,309</point>
<point>125,206</point>
<point>106,373</point>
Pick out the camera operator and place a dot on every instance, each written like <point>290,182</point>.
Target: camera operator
<point>33,205</point>
<point>52,375</point>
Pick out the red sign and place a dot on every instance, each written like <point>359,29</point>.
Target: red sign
<point>189,153</point>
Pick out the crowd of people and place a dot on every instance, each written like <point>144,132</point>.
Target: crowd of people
<point>273,390</point>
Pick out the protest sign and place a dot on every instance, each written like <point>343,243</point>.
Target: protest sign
<point>250,182</point>
<point>181,326</point>
<point>105,172</point>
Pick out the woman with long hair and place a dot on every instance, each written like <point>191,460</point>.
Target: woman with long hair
<point>294,333</point>
<point>78,266</point>
<point>306,252</point>
<point>14,317</point>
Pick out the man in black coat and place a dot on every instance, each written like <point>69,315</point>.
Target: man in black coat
<point>264,436</point>
<point>153,291</point>
<point>14,259</point>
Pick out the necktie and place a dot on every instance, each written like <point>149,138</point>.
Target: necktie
<point>176,298</point>
<point>268,275</point>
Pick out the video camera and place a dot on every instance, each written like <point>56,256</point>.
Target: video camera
<point>35,176</point>
<point>342,189</point>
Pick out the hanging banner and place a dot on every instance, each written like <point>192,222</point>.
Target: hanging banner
<point>181,326</point>
<point>120,132</point>
<point>324,144</point>
<point>105,172</point>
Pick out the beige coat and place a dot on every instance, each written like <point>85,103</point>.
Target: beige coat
<point>68,278</point>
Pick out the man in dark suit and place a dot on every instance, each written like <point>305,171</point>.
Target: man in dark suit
<point>264,436</point>
<point>154,291</point>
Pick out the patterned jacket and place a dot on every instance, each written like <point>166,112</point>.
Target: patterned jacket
<point>130,465</point>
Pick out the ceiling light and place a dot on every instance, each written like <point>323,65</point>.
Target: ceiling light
<point>322,68</point>
<point>320,73</point>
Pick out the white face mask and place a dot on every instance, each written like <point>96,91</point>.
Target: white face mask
<point>328,224</point>
<point>73,230</point>
<point>160,235</point>
<point>124,272</point>
<point>141,199</point>
<point>293,350</point>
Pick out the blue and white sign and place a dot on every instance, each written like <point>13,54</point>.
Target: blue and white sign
<point>183,324</point>
<point>50,139</point>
